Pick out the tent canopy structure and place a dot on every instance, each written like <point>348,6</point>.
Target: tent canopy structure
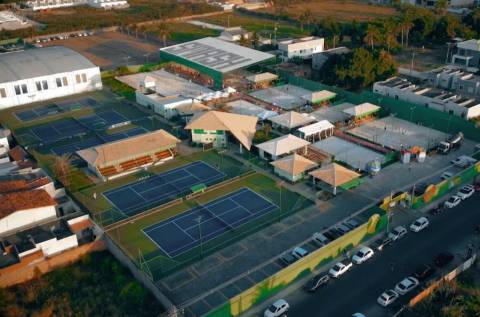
<point>362,110</point>
<point>247,108</point>
<point>291,120</point>
<point>334,175</point>
<point>319,96</point>
<point>261,78</point>
<point>317,129</point>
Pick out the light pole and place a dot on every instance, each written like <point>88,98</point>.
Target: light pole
<point>199,221</point>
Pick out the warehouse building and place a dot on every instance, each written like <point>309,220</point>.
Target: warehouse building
<point>45,73</point>
<point>213,57</point>
<point>121,157</point>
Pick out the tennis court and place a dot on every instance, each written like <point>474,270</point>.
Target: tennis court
<point>184,232</point>
<point>161,188</point>
<point>55,131</point>
<point>55,108</point>
<point>123,134</point>
<point>103,119</point>
<point>76,146</point>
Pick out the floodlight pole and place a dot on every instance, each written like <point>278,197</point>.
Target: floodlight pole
<point>199,221</point>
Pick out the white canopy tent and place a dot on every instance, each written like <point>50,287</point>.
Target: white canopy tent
<point>317,131</point>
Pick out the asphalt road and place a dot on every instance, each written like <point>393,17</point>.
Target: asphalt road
<point>358,289</point>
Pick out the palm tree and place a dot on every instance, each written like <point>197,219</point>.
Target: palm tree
<point>305,17</point>
<point>372,35</point>
<point>62,168</point>
<point>390,35</point>
<point>164,32</point>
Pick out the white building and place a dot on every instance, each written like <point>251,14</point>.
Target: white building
<point>452,102</point>
<point>37,5</point>
<point>282,146</point>
<point>25,208</point>
<point>467,55</point>
<point>45,73</point>
<point>303,47</point>
<point>235,34</point>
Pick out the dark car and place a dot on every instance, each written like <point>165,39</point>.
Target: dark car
<point>316,282</point>
<point>419,189</point>
<point>443,259</point>
<point>382,243</point>
<point>334,233</point>
<point>424,272</point>
<point>437,210</point>
<point>287,258</point>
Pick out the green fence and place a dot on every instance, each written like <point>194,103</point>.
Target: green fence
<point>278,281</point>
<point>418,114</point>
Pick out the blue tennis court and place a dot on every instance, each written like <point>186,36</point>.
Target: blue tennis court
<point>161,188</point>
<point>58,130</point>
<point>38,112</point>
<point>76,146</point>
<point>103,119</point>
<point>122,135</point>
<point>182,233</point>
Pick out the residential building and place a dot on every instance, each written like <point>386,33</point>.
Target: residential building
<point>319,59</point>
<point>210,128</point>
<point>427,96</point>
<point>467,55</point>
<point>45,73</point>
<point>25,208</point>
<point>455,79</point>
<point>37,5</point>
<point>235,34</point>
<point>125,156</point>
<point>303,48</point>
<point>432,3</point>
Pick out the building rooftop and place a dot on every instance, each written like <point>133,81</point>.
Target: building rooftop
<point>363,109</point>
<point>242,127</point>
<point>292,119</point>
<point>294,164</point>
<point>117,151</point>
<point>217,54</point>
<point>472,45</point>
<point>12,202</point>
<point>247,108</point>
<point>282,145</point>
<point>40,62</point>
<point>334,174</point>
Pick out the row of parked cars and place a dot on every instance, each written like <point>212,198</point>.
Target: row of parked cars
<point>62,37</point>
<point>464,193</point>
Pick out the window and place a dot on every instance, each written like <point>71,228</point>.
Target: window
<point>65,82</point>
<point>39,86</point>
<point>3,93</point>
<point>17,90</point>
<point>84,78</point>
<point>78,78</point>
<point>59,82</point>
<point>24,89</point>
<point>45,84</point>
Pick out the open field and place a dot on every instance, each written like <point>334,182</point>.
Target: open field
<point>256,24</point>
<point>132,239</point>
<point>343,10</point>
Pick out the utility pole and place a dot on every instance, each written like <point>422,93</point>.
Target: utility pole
<point>199,221</point>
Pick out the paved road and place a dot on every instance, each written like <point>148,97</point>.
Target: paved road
<point>358,290</point>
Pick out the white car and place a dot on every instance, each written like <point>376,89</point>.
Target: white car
<point>397,233</point>
<point>464,161</point>
<point>387,297</point>
<point>362,255</point>
<point>277,309</point>
<point>453,201</point>
<point>339,269</point>
<point>406,285</point>
<point>466,192</point>
<point>299,253</point>
<point>358,315</point>
<point>419,224</point>
<point>446,175</point>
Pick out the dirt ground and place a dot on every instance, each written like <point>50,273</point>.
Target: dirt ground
<point>112,49</point>
<point>423,58</point>
<point>344,10</point>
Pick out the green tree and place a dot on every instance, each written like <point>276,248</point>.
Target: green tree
<point>372,35</point>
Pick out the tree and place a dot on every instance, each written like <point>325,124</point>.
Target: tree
<point>267,128</point>
<point>63,168</point>
<point>390,34</point>
<point>372,35</point>
<point>441,7</point>
<point>163,31</point>
<point>305,17</point>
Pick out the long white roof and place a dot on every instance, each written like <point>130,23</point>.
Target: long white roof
<point>216,54</point>
<point>317,127</point>
<point>282,145</point>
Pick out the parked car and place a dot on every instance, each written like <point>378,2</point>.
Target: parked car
<point>299,253</point>
<point>317,281</point>
<point>320,239</point>
<point>397,233</point>
<point>419,224</point>
<point>453,201</point>
<point>464,161</point>
<point>335,233</point>
<point>437,210</point>
<point>340,268</point>
<point>446,175</point>
<point>287,258</point>
<point>362,255</point>
<point>352,223</point>
<point>419,189</point>
<point>406,285</point>
<point>277,309</point>
<point>443,258</point>
<point>358,315</point>
<point>381,243</point>
<point>342,228</point>
<point>387,297</point>
<point>424,272</point>
<point>466,192</point>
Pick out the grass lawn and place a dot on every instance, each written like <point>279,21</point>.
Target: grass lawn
<point>343,10</point>
<point>131,238</point>
<point>183,32</point>
<point>256,24</point>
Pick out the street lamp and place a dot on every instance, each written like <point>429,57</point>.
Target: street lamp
<point>199,221</point>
